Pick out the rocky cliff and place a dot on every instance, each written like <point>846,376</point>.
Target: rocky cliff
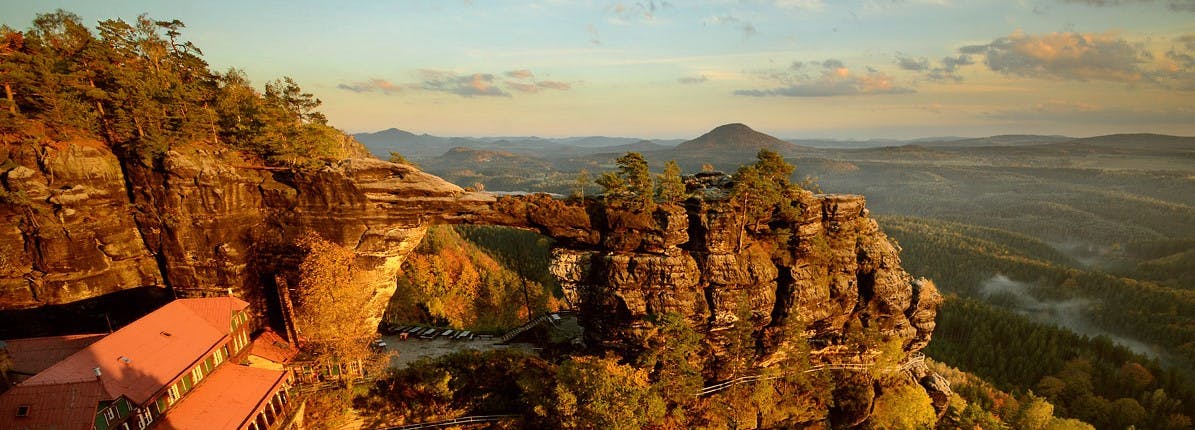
<point>82,222</point>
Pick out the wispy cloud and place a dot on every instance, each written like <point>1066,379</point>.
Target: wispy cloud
<point>1175,5</point>
<point>693,79</point>
<point>800,4</point>
<point>746,27</point>
<point>520,74</point>
<point>644,10</point>
<point>464,85</point>
<point>471,85</point>
<point>832,79</point>
<point>555,85</point>
<point>594,38</point>
<point>524,81</point>
<point>943,70</point>
<point>373,85</point>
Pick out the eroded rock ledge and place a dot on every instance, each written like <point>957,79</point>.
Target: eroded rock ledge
<point>202,222</point>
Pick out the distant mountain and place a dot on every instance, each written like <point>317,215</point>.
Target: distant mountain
<point>1000,140</point>
<point>419,147</point>
<point>410,145</point>
<point>735,138</point>
<point>1140,142</point>
<point>485,162</point>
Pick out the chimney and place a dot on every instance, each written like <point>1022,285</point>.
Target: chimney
<point>97,372</point>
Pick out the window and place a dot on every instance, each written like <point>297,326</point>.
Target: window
<point>23,410</point>
<point>110,413</point>
<point>197,373</point>
<point>144,418</point>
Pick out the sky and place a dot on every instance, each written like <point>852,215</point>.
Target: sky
<point>852,69</point>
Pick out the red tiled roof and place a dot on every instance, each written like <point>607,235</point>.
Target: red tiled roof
<point>270,346</point>
<point>141,358</point>
<point>227,399</point>
<point>69,406</point>
<point>32,355</point>
<point>216,310</point>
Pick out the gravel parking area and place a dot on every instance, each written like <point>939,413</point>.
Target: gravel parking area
<point>411,350</point>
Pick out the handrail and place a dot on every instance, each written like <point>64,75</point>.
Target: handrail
<point>531,324</point>
<point>455,421</point>
<point>913,360</point>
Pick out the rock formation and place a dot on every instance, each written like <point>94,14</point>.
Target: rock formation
<point>82,222</point>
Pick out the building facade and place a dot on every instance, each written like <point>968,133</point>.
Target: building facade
<point>175,368</point>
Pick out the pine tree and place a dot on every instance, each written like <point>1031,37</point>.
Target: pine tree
<point>669,187</point>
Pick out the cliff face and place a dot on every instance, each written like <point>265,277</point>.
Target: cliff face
<point>68,231</point>
<point>833,273</point>
<point>80,222</point>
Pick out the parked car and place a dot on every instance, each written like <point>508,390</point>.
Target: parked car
<point>378,345</point>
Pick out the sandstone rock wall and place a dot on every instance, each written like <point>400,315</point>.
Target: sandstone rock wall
<point>68,231</point>
<point>830,276</point>
<point>82,223</point>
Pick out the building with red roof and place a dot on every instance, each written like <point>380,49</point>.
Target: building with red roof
<point>30,356</point>
<point>140,375</point>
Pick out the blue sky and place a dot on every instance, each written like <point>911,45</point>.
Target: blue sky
<point>792,68</point>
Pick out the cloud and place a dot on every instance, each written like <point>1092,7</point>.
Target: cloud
<point>594,38</point>
<point>555,85</point>
<point>645,10</point>
<point>1065,56</point>
<point>689,80</point>
<point>373,85</point>
<point>520,74</point>
<point>835,79</point>
<point>528,84</point>
<point>913,64</point>
<point>473,85</point>
<point>801,4</point>
<point>464,85</point>
<point>747,28</point>
<point>945,69</point>
<point>1174,5</point>
<point>522,87</point>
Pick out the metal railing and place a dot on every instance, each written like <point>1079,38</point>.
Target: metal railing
<point>915,359</point>
<point>475,419</point>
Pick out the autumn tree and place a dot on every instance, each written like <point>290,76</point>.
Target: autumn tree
<point>672,357</point>
<point>599,393</point>
<point>329,303</point>
<point>669,186</point>
<point>904,407</point>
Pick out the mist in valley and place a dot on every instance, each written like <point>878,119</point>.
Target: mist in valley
<point>1069,313</point>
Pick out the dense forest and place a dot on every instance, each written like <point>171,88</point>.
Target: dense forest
<point>1013,316</point>
<point>476,278</point>
<point>143,88</point>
